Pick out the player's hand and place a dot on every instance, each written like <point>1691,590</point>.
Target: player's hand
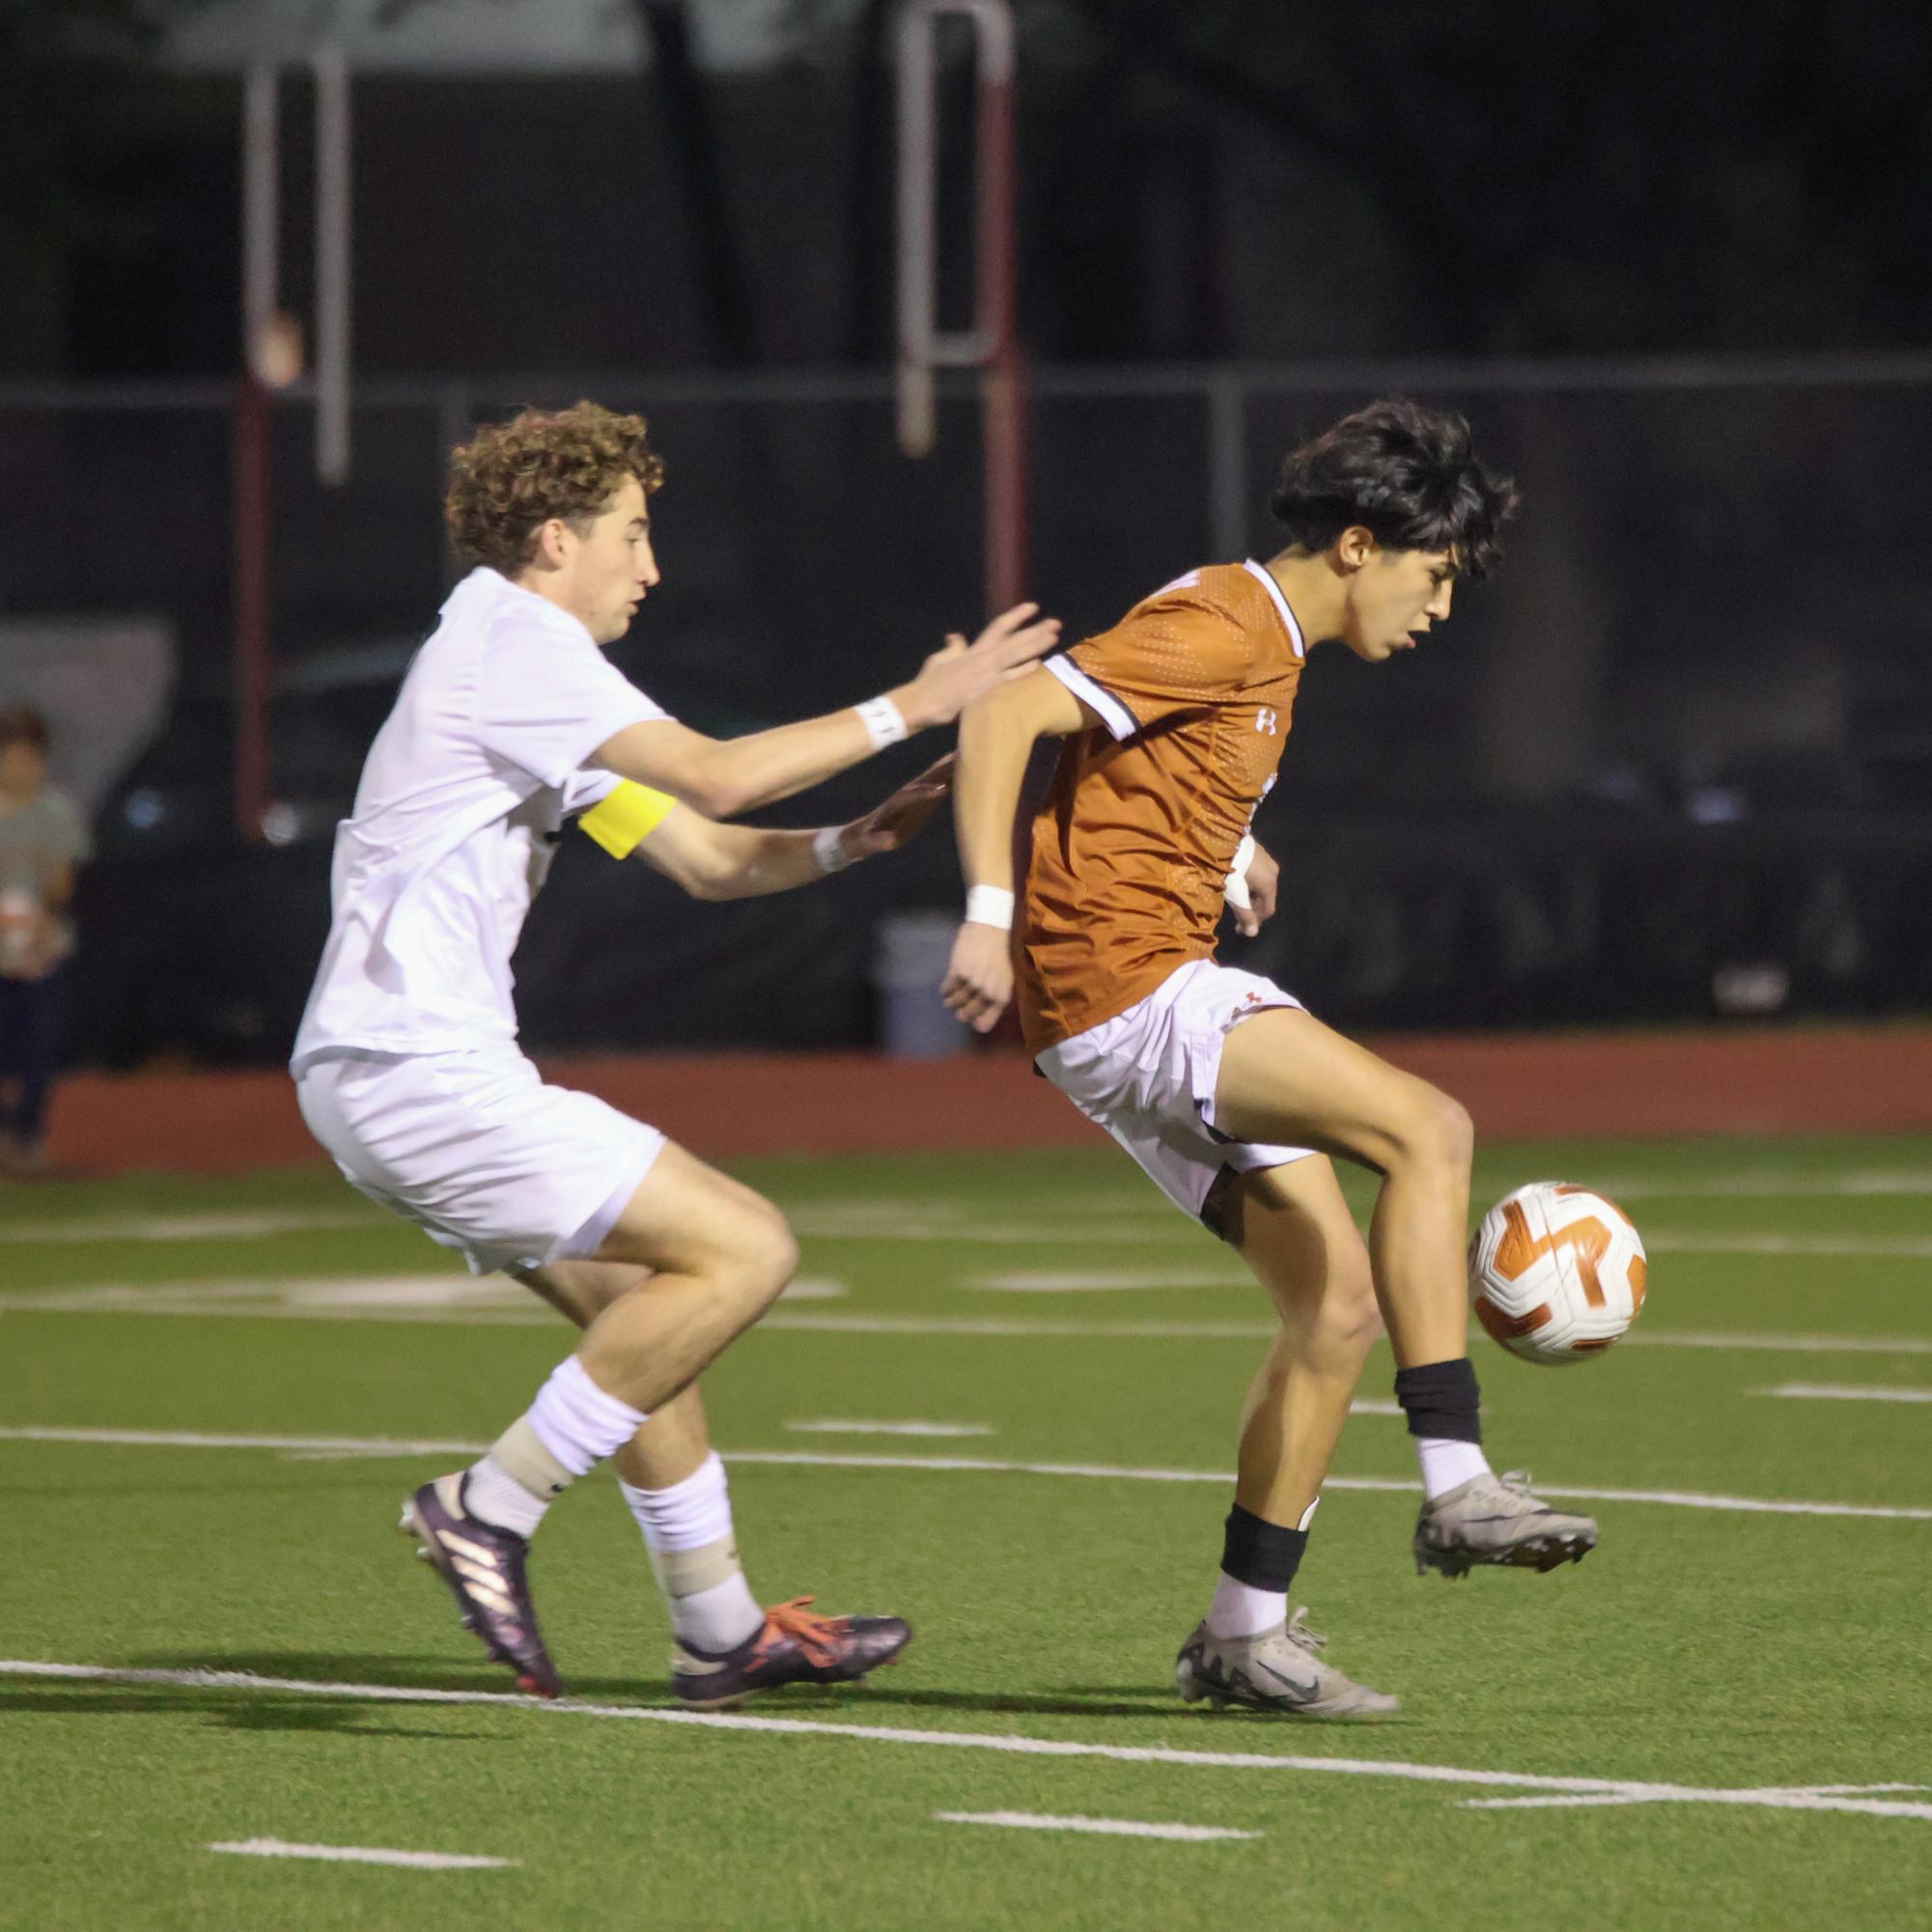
<point>895,821</point>
<point>952,677</point>
<point>1264,885</point>
<point>979,980</point>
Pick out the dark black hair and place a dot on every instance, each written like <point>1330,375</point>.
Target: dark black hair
<point>21,724</point>
<point>1405,474</point>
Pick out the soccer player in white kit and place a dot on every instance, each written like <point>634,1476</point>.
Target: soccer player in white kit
<point>509,724</point>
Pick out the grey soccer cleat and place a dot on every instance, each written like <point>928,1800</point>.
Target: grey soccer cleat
<point>1494,1519</point>
<point>1278,1671</point>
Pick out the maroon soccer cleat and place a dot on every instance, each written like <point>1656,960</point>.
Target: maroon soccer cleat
<point>483,1567</point>
<point>793,1647</point>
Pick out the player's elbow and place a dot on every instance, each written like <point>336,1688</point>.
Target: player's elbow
<point>709,876</point>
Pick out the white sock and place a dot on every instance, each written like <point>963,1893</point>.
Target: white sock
<point>572,1425</point>
<point>694,1548</point>
<point>718,1619</point>
<point>491,1492</point>
<point>1448,1465</point>
<point>1239,1609</point>
<point>578,1422</point>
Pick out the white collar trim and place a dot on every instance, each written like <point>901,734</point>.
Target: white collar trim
<point>1273,589</point>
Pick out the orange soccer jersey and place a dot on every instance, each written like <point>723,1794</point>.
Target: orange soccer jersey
<point>1132,844</point>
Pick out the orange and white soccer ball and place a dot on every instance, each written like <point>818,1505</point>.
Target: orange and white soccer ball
<point>1556,1272</point>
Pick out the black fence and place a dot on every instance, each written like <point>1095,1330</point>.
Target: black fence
<point>1675,759</point>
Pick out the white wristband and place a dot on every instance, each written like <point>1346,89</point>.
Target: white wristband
<point>883,722</point>
<point>990,905</point>
<point>1235,891</point>
<point>831,857</point>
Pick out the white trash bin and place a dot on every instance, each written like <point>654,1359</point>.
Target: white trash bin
<point>910,956</point>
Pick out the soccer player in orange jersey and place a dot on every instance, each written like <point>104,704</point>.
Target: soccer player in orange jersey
<point>1218,1082</point>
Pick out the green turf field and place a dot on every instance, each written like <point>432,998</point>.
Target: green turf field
<point>1723,1718</point>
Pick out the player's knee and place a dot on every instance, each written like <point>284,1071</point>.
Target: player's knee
<point>764,1255</point>
<point>1351,1320</point>
<point>1437,1131</point>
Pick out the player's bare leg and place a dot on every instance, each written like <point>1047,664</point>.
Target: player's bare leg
<point>675,1488</point>
<point>1288,1080</point>
<point>710,1256</point>
<point>1293,1229</point>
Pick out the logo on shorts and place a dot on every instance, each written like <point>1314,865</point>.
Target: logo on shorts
<point>1267,722</point>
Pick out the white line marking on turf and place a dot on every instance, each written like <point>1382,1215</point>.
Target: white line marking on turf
<point>1106,1471</point>
<point>829,1427</point>
<point>1131,1330</point>
<point>463,1302</point>
<point>1773,1797</point>
<point>1812,1247</point>
<point>1077,1282</point>
<point>351,1446</point>
<point>814,1288</point>
<point>1113,1229</point>
<point>1023,1746</point>
<point>189,1439</point>
<point>1838,1391</point>
<point>1119,1828</point>
<point>1686,1338</point>
<point>358,1855</point>
<point>191,1227</point>
<point>1762,1186</point>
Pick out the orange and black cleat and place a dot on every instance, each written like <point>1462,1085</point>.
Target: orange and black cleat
<point>792,1647</point>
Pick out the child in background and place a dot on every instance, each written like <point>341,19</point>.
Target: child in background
<point>42,840</point>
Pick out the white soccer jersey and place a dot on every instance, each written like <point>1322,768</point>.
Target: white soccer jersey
<point>434,871</point>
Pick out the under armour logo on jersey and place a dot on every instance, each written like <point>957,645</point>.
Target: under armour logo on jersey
<point>1267,722</point>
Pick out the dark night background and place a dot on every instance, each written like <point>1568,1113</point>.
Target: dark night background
<point>1671,262</point>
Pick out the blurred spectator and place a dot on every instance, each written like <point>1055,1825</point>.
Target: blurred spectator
<point>42,840</point>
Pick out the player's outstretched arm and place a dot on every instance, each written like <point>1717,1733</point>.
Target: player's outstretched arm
<point>722,777</point>
<point>996,739</point>
<point>715,862</point>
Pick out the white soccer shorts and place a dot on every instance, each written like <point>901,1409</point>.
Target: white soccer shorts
<point>1148,1076</point>
<point>477,1151</point>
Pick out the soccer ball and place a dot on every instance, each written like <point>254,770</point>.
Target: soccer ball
<point>1556,1272</point>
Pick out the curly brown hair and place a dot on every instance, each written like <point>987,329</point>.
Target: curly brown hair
<point>514,477</point>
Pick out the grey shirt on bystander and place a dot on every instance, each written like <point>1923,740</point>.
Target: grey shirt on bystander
<point>40,839</point>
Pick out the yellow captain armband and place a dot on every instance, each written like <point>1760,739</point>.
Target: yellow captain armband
<point>630,815</point>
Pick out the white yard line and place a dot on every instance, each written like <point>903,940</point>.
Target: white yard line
<point>1083,1282</point>
<point>1113,1828</point>
<point>1111,1229</point>
<point>1804,1246</point>
<point>193,1227</point>
<point>1023,1328</point>
<point>1113,1232</point>
<point>443,1301</point>
<point>814,1288</point>
<point>359,1855</point>
<point>1839,1391</point>
<point>494,1301</point>
<point>1771,1798</point>
<point>1656,1241</point>
<point>827,1426</point>
<point>1744,1338</point>
<point>1769,1187</point>
<point>1006,1743</point>
<point>349,1446</point>
<point>190,1439</point>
